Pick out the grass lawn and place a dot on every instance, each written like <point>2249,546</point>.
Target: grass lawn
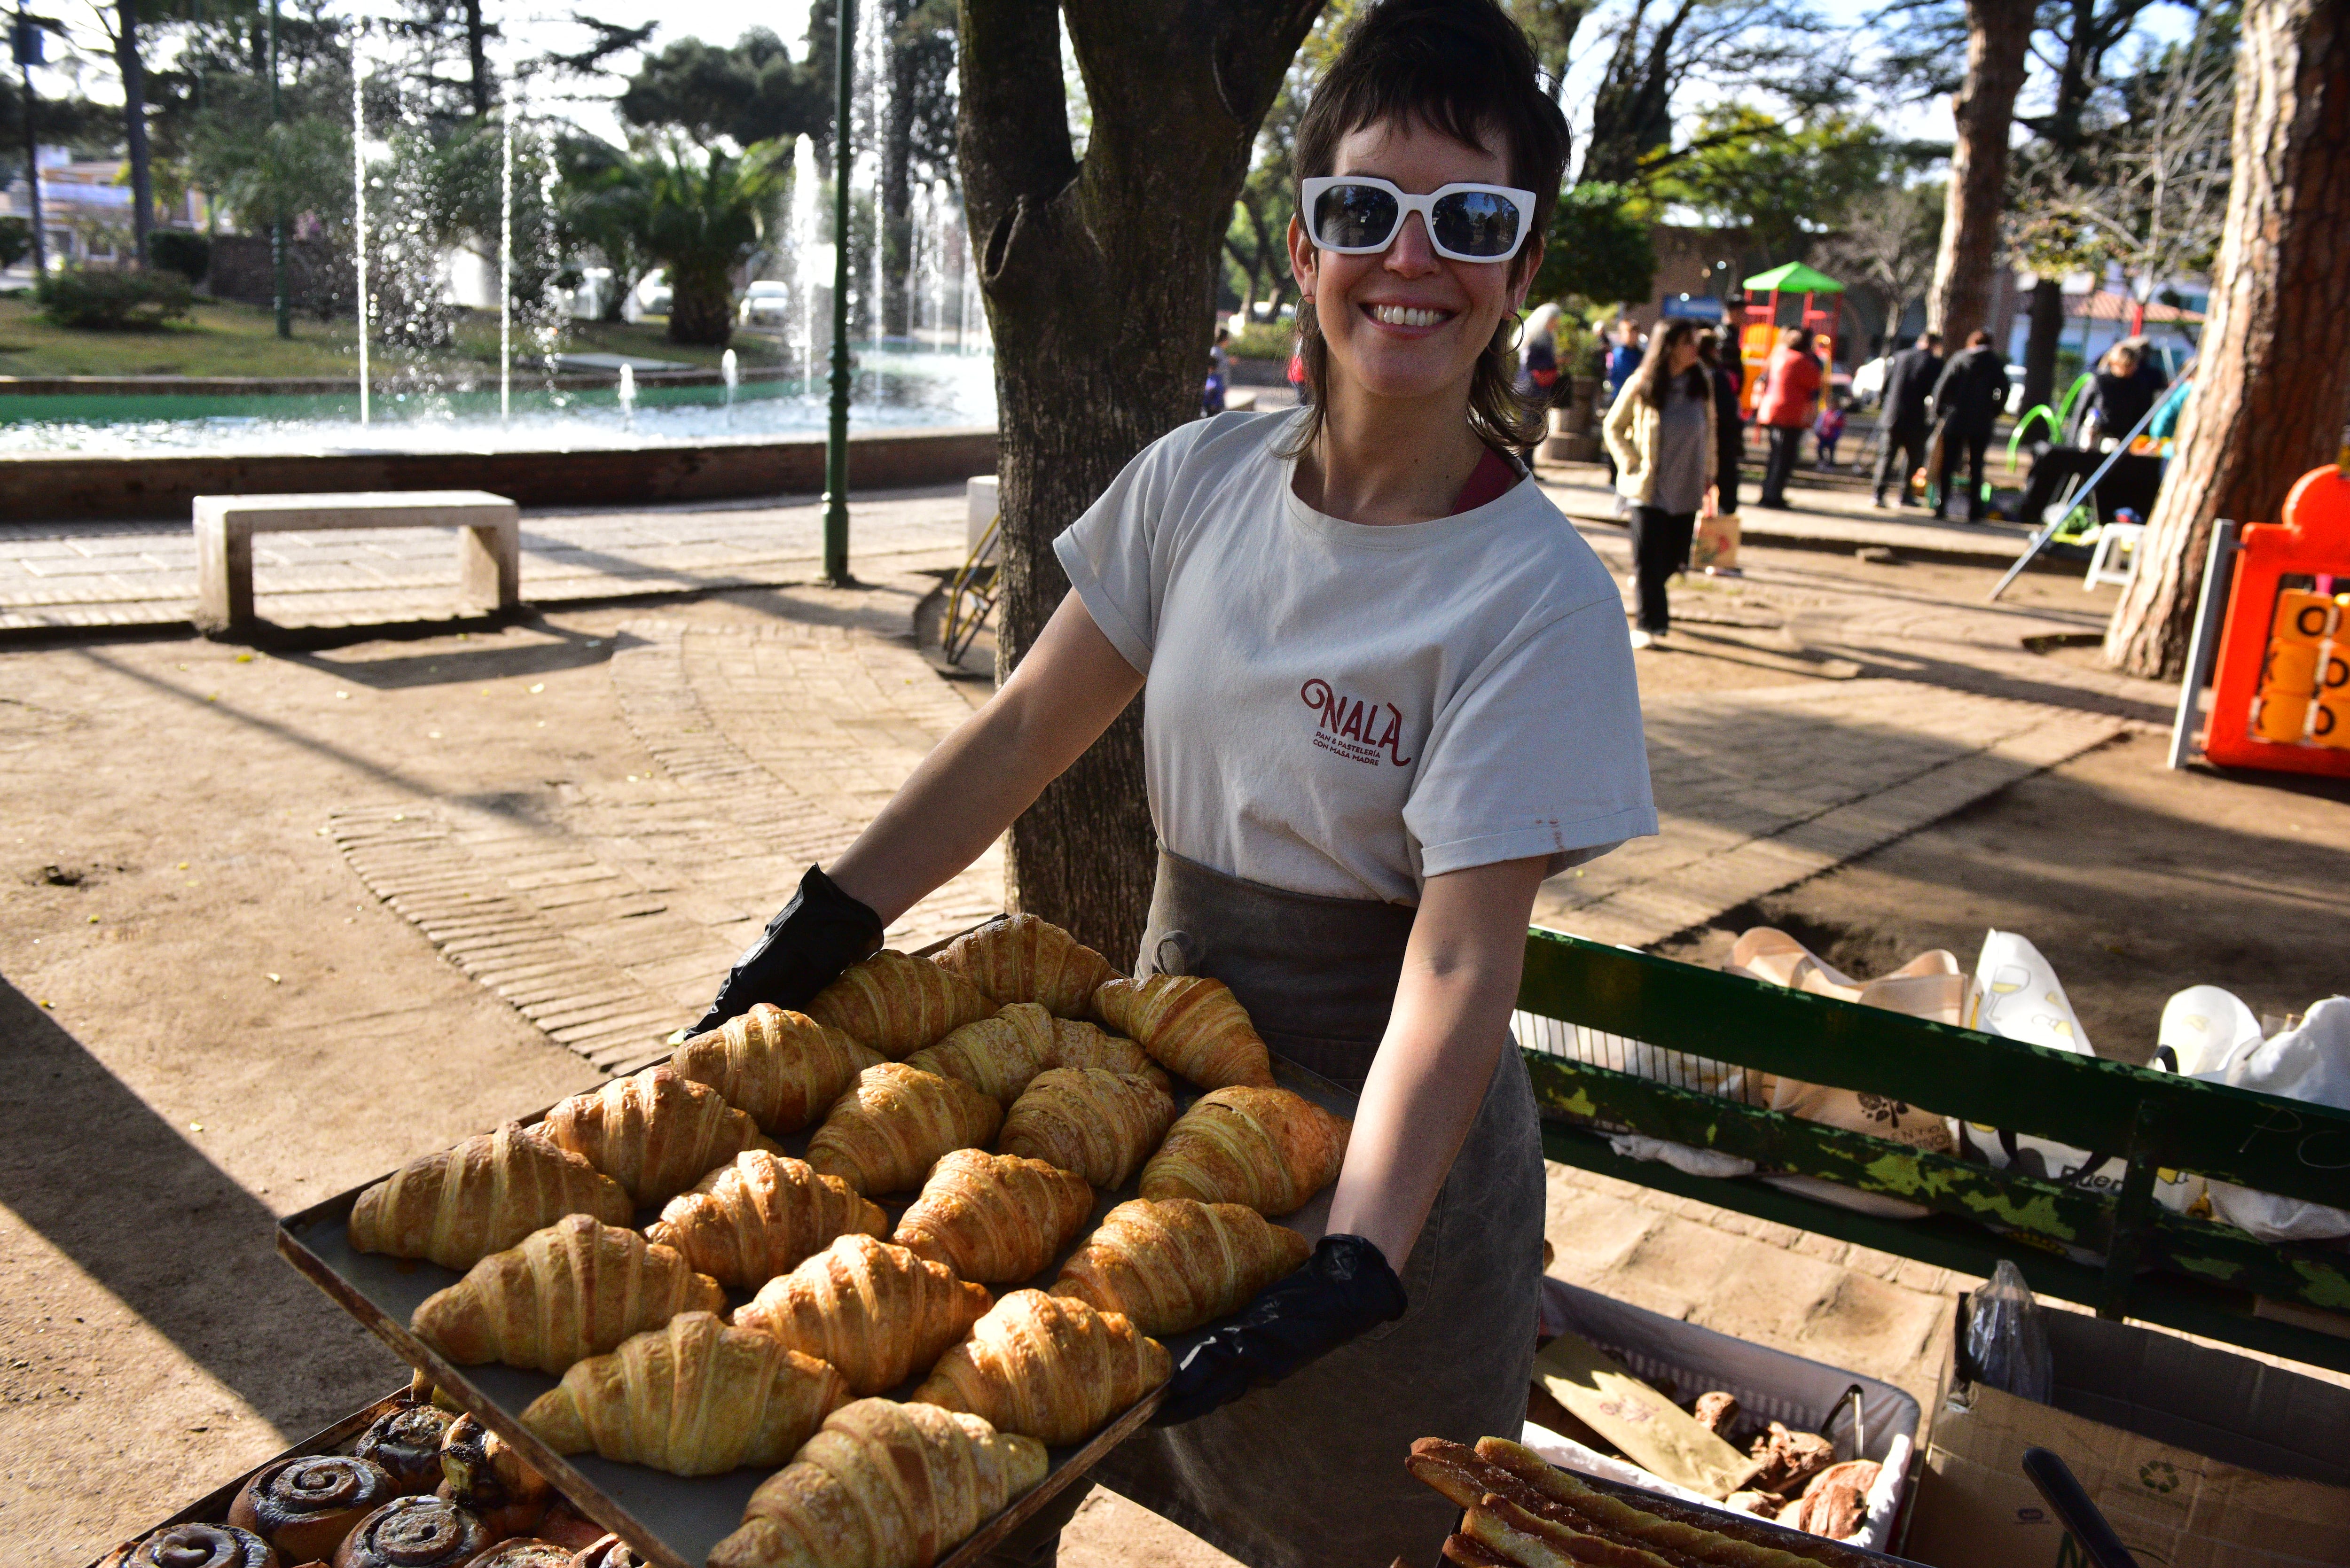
<point>225,340</point>
<point>230,339</point>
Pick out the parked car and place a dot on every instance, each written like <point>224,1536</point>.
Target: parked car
<point>651,296</point>
<point>766,300</point>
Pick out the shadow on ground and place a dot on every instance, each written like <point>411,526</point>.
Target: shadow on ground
<point>85,1163</point>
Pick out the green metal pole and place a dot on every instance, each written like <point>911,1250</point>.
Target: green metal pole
<point>277,229</point>
<point>835,441</point>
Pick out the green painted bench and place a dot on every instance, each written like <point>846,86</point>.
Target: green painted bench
<point>2159,1267</point>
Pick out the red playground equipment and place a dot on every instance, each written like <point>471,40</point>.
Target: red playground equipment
<point>1760,334</point>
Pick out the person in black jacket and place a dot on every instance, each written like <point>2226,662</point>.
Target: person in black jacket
<point>1967,398</point>
<point>2118,397</point>
<point>1727,376</point>
<point>1905,414</point>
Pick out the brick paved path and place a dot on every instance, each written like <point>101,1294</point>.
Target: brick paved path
<point>607,921</point>
<point>144,574</point>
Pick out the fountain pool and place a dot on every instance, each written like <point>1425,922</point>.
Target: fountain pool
<point>894,390</point>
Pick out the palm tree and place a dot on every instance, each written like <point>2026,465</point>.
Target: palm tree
<point>701,220</point>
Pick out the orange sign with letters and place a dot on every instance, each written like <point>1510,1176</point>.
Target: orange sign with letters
<point>2281,691</point>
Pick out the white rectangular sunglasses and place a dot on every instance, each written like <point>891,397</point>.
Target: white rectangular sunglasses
<point>1356,214</point>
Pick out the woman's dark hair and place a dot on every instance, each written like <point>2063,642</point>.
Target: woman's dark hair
<point>1649,382</point>
<point>1709,346</point>
<point>1461,68</point>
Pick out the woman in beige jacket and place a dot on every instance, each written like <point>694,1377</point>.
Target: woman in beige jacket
<point>1660,432</point>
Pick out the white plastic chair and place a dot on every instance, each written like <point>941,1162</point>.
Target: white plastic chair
<point>2114,537</point>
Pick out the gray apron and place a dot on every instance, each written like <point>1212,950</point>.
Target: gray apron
<point>1311,1470</point>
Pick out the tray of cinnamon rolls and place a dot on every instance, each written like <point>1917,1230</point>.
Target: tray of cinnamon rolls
<point>858,1287</point>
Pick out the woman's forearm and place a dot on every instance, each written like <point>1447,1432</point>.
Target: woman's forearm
<point>1450,1022</point>
<point>971,786</point>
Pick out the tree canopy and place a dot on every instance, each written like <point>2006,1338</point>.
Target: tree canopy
<point>750,92</point>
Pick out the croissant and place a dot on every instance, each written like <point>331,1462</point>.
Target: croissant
<point>654,1132</point>
<point>1050,1366</point>
<point>897,1004</point>
<point>1097,1122</point>
<point>1190,1025</point>
<point>746,1223</point>
<point>694,1398</point>
<point>305,1506</point>
<point>1268,1148</point>
<point>1175,1264</point>
<point>893,1126</point>
<point>994,1218</point>
<point>575,1289</point>
<point>996,1055</point>
<point>784,1068</point>
<point>1077,1044</point>
<point>1020,958</point>
<point>883,1485</point>
<point>458,1207</point>
<point>415,1532</point>
<point>875,1312</point>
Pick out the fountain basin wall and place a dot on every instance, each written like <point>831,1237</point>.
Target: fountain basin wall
<point>43,488</point>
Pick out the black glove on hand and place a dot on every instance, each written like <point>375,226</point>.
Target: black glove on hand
<point>1344,1290</point>
<point>811,939</point>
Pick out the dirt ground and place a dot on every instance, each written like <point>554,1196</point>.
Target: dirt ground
<point>207,1021</point>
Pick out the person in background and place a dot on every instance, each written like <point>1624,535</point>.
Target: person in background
<point>1220,368</point>
<point>1538,365</point>
<point>1828,429</point>
<point>1661,430</point>
<point>1968,399</point>
<point>1791,390</point>
<point>1622,360</point>
<point>1905,414</point>
<point>1729,423</point>
<point>2118,397</point>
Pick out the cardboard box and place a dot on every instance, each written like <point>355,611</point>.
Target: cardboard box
<point>2198,1457</point>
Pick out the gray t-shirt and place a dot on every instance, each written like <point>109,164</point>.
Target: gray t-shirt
<point>1681,451</point>
<point>1345,709</point>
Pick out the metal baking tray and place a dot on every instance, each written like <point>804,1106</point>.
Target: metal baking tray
<point>674,1521</point>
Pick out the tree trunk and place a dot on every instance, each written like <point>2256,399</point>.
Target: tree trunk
<point>897,186</point>
<point>2272,379</point>
<point>133,71</point>
<point>1998,31</point>
<point>701,306</point>
<point>2041,343</point>
<point>477,56</point>
<point>1095,276</point>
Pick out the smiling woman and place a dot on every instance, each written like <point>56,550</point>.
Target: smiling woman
<point>1390,690</point>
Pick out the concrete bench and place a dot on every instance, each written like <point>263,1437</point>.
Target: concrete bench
<point>489,541</point>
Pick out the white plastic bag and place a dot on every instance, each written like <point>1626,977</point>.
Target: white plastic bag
<point>2018,997</point>
<point>2309,1064</point>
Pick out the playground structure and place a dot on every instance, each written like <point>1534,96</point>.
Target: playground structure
<point>1761,333</point>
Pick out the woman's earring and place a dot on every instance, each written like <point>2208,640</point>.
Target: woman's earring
<point>1515,343</point>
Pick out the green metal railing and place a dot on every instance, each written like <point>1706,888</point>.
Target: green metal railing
<point>2159,1267</point>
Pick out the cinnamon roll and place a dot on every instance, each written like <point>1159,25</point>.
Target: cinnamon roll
<point>414,1532</point>
<point>195,1546</point>
<point>480,1471</point>
<point>407,1444</point>
<point>524,1551</point>
<point>567,1527</point>
<point>612,1552</point>
<point>305,1506</point>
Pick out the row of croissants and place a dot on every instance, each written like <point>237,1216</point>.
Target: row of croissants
<point>985,1083</point>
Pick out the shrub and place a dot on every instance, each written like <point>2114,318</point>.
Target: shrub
<point>182,251</point>
<point>16,240</point>
<point>1264,340</point>
<point>114,300</point>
